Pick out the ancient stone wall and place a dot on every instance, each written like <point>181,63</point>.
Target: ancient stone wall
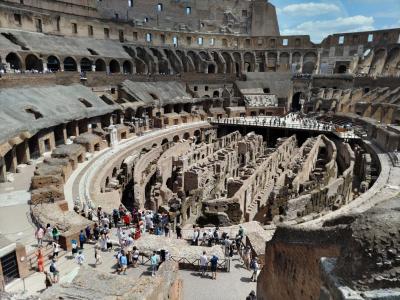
<point>285,275</point>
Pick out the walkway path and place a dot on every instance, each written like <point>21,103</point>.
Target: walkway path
<point>233,285</point>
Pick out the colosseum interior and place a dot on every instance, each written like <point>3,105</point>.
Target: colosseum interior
<point>202,111</point>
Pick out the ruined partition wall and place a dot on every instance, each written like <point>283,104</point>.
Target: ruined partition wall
<point>249,190</point>
<point>291,269</point>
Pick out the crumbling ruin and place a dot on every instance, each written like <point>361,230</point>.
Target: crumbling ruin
<point>202,110</point>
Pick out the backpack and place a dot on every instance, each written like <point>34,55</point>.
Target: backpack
<point>52,268</point>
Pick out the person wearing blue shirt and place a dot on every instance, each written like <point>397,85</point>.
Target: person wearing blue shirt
<point>154,263</point>
<point>123,262</point>
<point>82,239</point>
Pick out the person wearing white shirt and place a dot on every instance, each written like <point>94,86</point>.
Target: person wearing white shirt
<point>203,263</point>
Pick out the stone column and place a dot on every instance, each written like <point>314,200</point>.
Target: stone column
<point>44,66</point>
<point>112,129</point>
<point>3,178</point>
<point>14,162</point>
<point>301,63</point>
<point>65,134</point>
<point>27,155</point>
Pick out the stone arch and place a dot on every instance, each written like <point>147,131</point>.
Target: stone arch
<point>284,59</point>
<point>114,66</point>
<point>186,136</point>
<point>220,62</point>
<point>141,67</point>
<point>296,103</point>
<point>238,62</point>
<point>70,64</point>
<point>86,65</point>
<point>211,69</point>
<point>195,59</point>
<point>296,60</point>
<point>188,65</point>
<point>32,62</point>
<point>392,61</point>
<point>163,66</point>
<point>100,65</point>
<point>230,68</point>
<point>378,61</point>
<point>176,139</point>
<point>147,59</point>
<point>14,60</point>
<point>53,63</point>
<point>205,55</point>
<point>309,62</point>
<point>197,134</point>
<point>175,62</point>
<point>127,67</point>
<point>272,59</point>
<point>249,62</point>
<point>164,141</point>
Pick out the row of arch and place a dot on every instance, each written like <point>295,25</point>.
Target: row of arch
<point>384,62</point>
<point>167,61</point>
<point>53,63</point>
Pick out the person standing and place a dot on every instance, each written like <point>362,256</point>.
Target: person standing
<point>214,264</point>
<point>123,262</point>
<point>39,236</point>
<point>254,266</point>
<point>74,246</point>
<point>56,249</point>
<point>49,234</point>
<point>80,258</point>
<point>135,256</point>
<point>203,264</point>
<point>97,256</point>
<point>40,260</point>
<point>82,239</point>
<point>154,263</point>
<point>246,257</point>
<point>54,270</point>
<point>55,233</point>
<point>178,230</point>
<point>166,230</point>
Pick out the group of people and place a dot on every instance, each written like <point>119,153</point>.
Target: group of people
<point>51,235</point>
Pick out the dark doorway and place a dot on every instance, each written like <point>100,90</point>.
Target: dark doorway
<point>296,106</point>
<point>53,64</point>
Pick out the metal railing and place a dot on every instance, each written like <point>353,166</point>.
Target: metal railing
<point>184,263</point>
<point>270,123</point>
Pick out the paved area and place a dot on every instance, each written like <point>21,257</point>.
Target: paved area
<point>235,284</point>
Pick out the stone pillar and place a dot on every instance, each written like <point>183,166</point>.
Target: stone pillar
<point>65,134</point>
<point>301,63</point>
<point>27,155</point>
<point>318,64</point>
<point>61,66</point>
<point>93,67</point>
<point>112,129</point>
<point>44,66</point>
<point>14,162</point>
<point>3,178</point>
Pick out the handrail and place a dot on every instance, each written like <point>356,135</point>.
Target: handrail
<point>319,126</point>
